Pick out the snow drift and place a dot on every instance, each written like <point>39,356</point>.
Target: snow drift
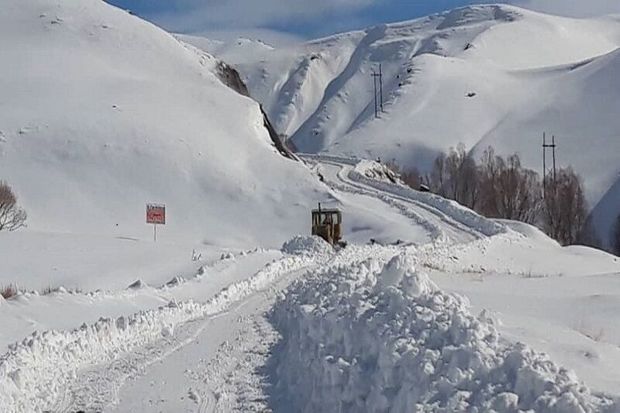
<point>381,338</point>
<point>307,246</point>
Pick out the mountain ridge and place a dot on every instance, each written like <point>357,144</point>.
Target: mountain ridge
<point>478,75</point>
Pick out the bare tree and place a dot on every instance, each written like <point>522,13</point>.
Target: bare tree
<point>455,176</point>
<point>491,167</point>
<point>12,217</point>
<point>508,190</point>
<point>454,163</point>
<point>503,188</point>
<point>565,207</point>
<point>469,183</point>
<point>438,178</point>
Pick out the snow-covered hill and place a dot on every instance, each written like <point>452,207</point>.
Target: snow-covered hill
<point>102,112</point>
<point>481,75</point>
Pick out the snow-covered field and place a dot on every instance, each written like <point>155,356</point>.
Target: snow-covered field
<point>429,308</point>
<point>492,75</point>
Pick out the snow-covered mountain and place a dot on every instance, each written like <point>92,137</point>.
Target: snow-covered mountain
<point>481,75</point>
<point>102,112</point>
<point>430,307</point>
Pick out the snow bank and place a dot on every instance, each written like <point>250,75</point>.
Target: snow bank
<point>385,338</point>
<point>35,371</point>
<point>451,208</point>
<point>345,160</point>
<point>376,171</point>
<point>309,246</point>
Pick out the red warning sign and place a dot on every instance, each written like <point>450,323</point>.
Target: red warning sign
<point>156,214</point>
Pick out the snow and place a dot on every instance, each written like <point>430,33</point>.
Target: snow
<point>136,117</point>
<point>38,260</point>
<point>452,209</point>
<point>367,320</point>
<point>301,245</point>
<point>230,310</point>
<point>384,338</point>
<point>34,371</point>
<point>375,171</point>
<point>62,309</point>
<point>573,319</point>
<point>485,75</point>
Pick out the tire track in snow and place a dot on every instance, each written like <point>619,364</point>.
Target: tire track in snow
<point>222,384</point>
<point>437,233</point>
<point>42,371</point>
<point>434,220</point>
<point>234,380</point>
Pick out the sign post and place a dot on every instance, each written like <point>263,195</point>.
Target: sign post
<point>155,214</point>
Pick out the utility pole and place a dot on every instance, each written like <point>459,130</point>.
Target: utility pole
<point>378,100</point>
<point>375,76</point>
<point>544,176</point>
<point>553,146</point>
<point>546,146</point>
<point>381,85</point>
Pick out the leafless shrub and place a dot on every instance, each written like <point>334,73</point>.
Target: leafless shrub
<point>48,290</point>
<point>12,217</point>
<point>9,291</point>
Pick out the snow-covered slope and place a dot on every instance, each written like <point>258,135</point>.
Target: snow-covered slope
<point>481,75</point>
<point>102,112</point>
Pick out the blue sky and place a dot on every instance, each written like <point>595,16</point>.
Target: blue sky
<point>305,19</point>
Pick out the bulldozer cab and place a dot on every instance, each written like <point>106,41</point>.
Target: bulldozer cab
<point>327,224</point>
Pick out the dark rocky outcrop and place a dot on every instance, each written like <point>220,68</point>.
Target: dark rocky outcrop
<point>231,78</point>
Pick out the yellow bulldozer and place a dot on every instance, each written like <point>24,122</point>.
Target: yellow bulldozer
<point>327,224</point>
